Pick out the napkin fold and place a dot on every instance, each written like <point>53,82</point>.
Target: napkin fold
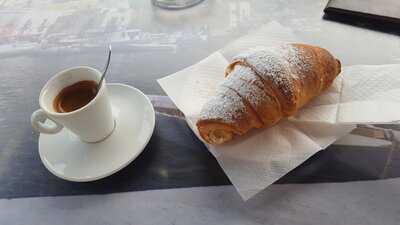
<point>361,94</point>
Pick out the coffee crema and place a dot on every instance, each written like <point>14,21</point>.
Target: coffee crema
<point>75,96</point>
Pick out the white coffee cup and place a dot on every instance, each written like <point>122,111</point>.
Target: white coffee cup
<point>91,123</point>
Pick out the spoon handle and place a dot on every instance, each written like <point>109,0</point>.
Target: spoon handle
<point>105,70</point>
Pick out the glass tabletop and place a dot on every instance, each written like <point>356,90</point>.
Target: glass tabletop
<point>40,38</point>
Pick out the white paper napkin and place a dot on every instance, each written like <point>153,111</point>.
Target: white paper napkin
<point>256,160</point>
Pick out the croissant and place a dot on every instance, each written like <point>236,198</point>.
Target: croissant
<point>263,86</point>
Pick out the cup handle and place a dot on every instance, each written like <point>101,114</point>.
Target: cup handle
<point>38,119</point>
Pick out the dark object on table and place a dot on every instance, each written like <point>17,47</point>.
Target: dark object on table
<point>387,11</point>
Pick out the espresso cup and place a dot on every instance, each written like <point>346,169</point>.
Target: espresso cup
<point>91,123</point>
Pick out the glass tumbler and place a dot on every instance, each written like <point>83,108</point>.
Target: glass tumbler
<point>175,4</point>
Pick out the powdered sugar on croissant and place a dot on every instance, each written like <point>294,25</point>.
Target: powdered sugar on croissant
<point>263,86</point>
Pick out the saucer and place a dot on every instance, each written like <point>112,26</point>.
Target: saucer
<point>67,157</point>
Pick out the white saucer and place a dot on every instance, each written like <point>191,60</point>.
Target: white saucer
<point>67,157</point>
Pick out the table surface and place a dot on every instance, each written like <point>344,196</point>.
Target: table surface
<point>40,38</point>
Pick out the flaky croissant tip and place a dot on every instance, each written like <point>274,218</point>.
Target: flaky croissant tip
<point>339,65</point>
<point>215,136</point>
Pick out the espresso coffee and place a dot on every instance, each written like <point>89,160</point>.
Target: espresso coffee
<point>75,96</point>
